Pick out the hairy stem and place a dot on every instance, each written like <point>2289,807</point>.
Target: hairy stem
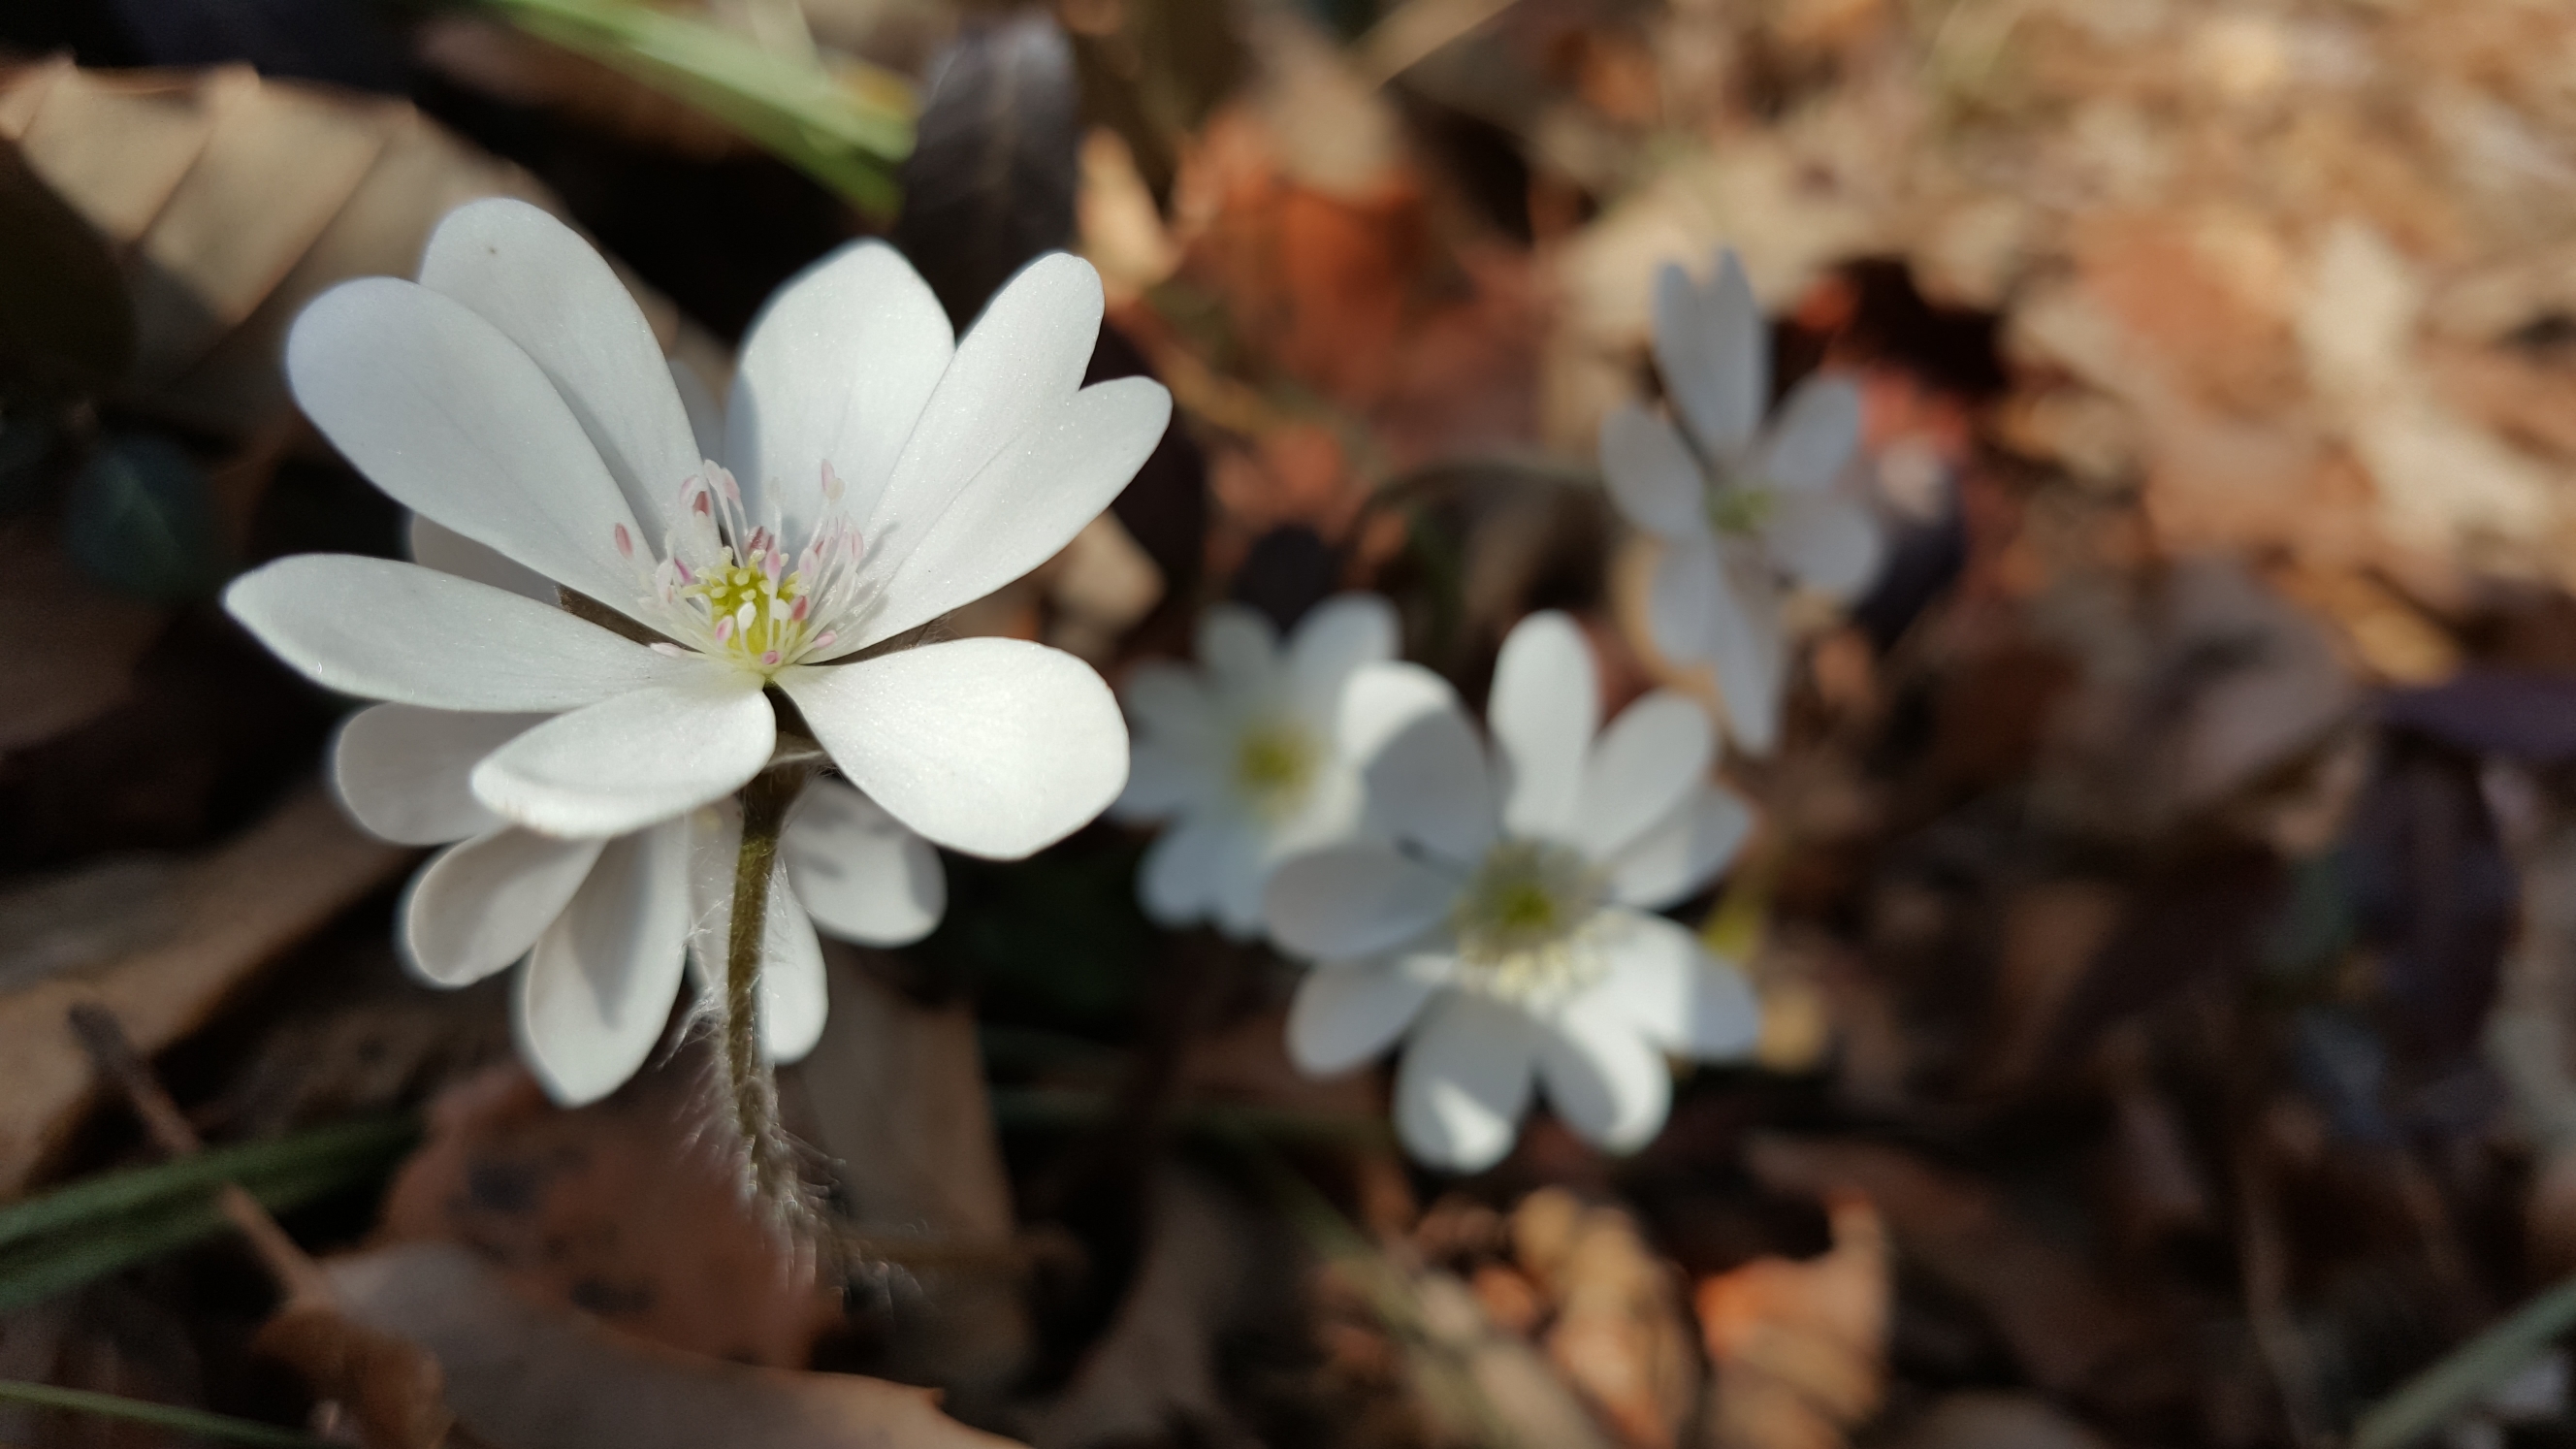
<point>769,1170</point>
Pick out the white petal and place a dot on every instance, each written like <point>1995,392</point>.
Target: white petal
<point>1653,756</point>
<point>1465,1081</point>
<point>706,413</point>
<point>1683,851</point>
<point>1814,437</point>
<point>1167,702</point>
<point>444,549</point>
<point>1245,860</point>
<point>1682,597</point>
<point>1341,1018</point>
<point>401,771</point>
<point>862,876</point>
<point>1602,1076</point>
<point>1651,474</point>
<point>536,280</point>
<point>1239,650</point>
<point>633,759</point>
<point>993,747</point>
<point>1714,352</point>
<point>598,988</point>
<point>1163,781</point>
<point>1424,768</point>
<point>1015,367</point>
<point>452,420</point>
<point>1546,702</point>
<point>1663,983</point>
<point>1020,510</point>
<point>1352,901</point>
<point>838,366</point>
<point>793,998</point>
<point>1334,639</point>
<point>1751,655</point>
<point>1176,881</point>
<point>478,906</point>
<point>794,995</point>
<point>1825,542</point>
<point>385,630</point>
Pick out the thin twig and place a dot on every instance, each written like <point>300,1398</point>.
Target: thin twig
<point>105,1040</point>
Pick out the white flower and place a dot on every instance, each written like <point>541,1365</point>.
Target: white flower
<point>1508,931</point>
<point>1737,504</point>
<point>601,928</point>
<point>879,476</point>
<point>1245,754</point>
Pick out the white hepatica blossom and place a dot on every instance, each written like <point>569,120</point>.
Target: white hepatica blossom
<point>603,926</point>
<point>1508,929</point>
<point>877,475</point>
<point>1245,754</point>
<point>1738,505</point>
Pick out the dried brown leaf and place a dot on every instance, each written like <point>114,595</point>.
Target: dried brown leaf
<point>230,201</point>
<point>628,1208</point>
<point>1801,1347</point>
<point>233,911</point>
<point>525,1375</point>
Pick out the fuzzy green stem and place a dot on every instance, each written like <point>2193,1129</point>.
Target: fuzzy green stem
<point>769,1171</point>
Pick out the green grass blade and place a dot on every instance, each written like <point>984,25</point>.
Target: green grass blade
<point>167,1416</point>
<point>368,1142</point>
<point>833,131</point>
<point>2468,1373</point>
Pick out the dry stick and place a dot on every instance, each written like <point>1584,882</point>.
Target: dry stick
<point>105,1040</point>
<point>392,1386</point>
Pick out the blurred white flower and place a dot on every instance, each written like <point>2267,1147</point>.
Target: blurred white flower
<point>879,477</point>
<point>1507,931</point>
<point>1244,754</point>
<point>1738,505</point>
<point>601,928</point>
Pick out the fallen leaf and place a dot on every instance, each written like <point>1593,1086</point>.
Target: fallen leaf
<point>1617,1332</point>
<point>525,1375</point>
<point>1154,1373</point>
<point>231,200</point>
<point>72,656</point>
<point>1989,1420</point>
<point>2073,1331</point>
<point>1801,1346</point>
<point>896,1097</point>
<point>628,1209</point>
<point>234,909</point>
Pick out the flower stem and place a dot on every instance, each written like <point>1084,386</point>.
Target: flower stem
<point>769,1169</point>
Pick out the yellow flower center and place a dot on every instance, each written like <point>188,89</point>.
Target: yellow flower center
<point>1273,765</point>
<point>1740,507</point>
<point>1526,920</point>
<point>755,614</point>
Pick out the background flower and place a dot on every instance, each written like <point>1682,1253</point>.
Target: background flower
<point>881,476</point>
<point>1245,755</point>
<point>1739,506</point>
<point>1506,934</point>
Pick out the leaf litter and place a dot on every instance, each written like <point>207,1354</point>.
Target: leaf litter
<point>2160,910</point>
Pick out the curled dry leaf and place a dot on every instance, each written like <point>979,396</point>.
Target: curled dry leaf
<point>229,201</point>
<point>384,1382</point>
<point>1618,1332</point>
<point>523,1375</point>
<point>1801,1347</point>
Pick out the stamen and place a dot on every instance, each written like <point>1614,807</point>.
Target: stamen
<point>625,542</point>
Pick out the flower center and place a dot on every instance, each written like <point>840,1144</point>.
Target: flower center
<point>1740,506</point>
<point>726,586</point>
<point>1525,923</point>
<point>1274,762</point>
